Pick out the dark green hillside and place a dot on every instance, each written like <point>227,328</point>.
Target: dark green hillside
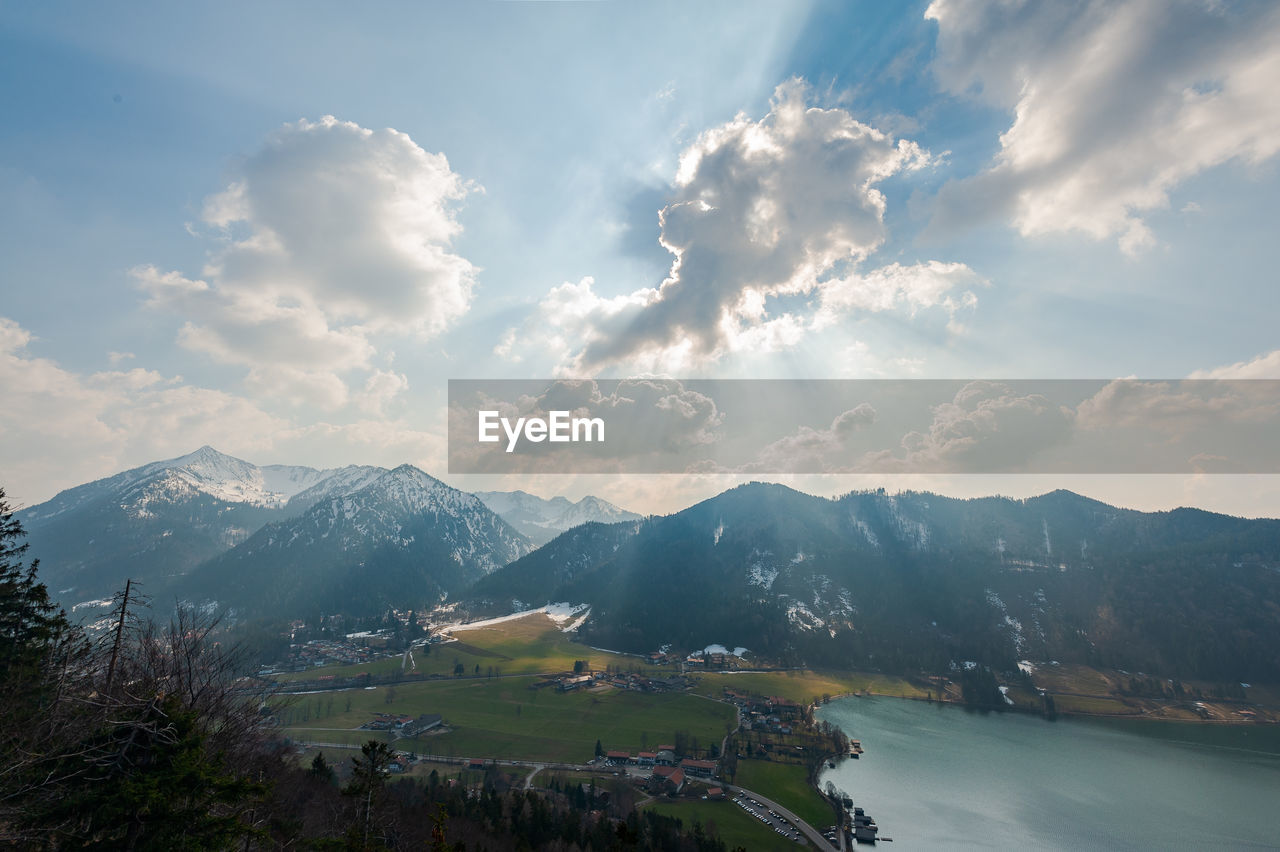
<point>916,581</point>
<point>405,540</point>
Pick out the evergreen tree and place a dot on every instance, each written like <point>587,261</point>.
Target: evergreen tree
<point>321,768</point>
<point>34,634</point>
<point>43,662</point>
<point>367,786</point>
<point>161,790</point>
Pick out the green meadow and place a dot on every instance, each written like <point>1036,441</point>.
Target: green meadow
<point>505,718</point>
<point>805,686</point>
<point>787,784</point>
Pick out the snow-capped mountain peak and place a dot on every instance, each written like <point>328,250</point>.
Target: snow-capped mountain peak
<point>228,478</point>
<point>542,519</point>
<point>414,490</point>
<point>344,480</point>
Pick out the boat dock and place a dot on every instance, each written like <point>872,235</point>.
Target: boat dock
<point>856,825</point>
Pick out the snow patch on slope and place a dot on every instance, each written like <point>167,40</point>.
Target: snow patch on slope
<point>1008,622</point>
<point>557,612</point>
<point>761,573</point>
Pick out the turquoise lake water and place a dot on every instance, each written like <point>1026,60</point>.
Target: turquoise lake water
<point>937,776</point>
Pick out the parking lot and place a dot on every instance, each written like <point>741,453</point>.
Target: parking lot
<point>775,821</point>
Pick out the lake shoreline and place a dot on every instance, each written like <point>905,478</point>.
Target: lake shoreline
<point>1074,714</point>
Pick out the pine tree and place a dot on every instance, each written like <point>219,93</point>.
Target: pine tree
<point>43,662</point>
<point>366,787</point>
<point>32,629</point>
<point>321,768</point>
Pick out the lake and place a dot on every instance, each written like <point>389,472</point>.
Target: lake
<point>938,776</point>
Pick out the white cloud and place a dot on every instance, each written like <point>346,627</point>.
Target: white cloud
<point>386,441</point>
<point>858,361</point>
<point>381,389</point>
<point>762,213</point>
<point>809,449</point>
<point>1114,104</point>
<point>914,287</point>
<point>1266,366</point>
<point>60,428</point>
<point>330,235</point>
<point>1180,408</point>
<point>986,426</point>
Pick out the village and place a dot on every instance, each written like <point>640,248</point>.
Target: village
<point>472,704</point>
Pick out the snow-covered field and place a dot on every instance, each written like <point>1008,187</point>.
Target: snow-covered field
<point>557,612</point>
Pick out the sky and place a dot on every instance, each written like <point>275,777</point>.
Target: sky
<point>281,230</point>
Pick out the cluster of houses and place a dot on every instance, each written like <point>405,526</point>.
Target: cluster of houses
<point>641,683</point>
<point>570,681</point>
<point>668,774</point>
<point>407,726</point>
<point>760,713</point>
<point>323,652</point>
<point>717,660</point>
<point>670,780</point>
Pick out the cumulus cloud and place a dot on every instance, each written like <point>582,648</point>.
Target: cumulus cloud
<point>1265,366</point>
<point>1207,425</point>
<point>1181,409</point>
<point>763,215</point>
<point>60,427</point>
<point>987,426</point>
<point>817,450</point>
<point>1114,104</point>
<point>328,236</point>
<point>381,389</point>
<point>913,287</point>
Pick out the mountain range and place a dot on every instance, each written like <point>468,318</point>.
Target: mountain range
<point>159,522</point>
<point>541,520</point>
<point>917,581</point>
<point>870,580</point>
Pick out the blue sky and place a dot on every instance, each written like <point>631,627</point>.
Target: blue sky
<point>194,254</point>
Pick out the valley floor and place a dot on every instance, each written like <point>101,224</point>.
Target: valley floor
<point>499,711</point>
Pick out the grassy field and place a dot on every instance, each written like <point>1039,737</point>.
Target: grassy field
<point>338,737</point>
<point>731,823</point>
<point>805,686</point>
<point>503,717</point>
<point>787,785</point>
<point>531,645</point>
